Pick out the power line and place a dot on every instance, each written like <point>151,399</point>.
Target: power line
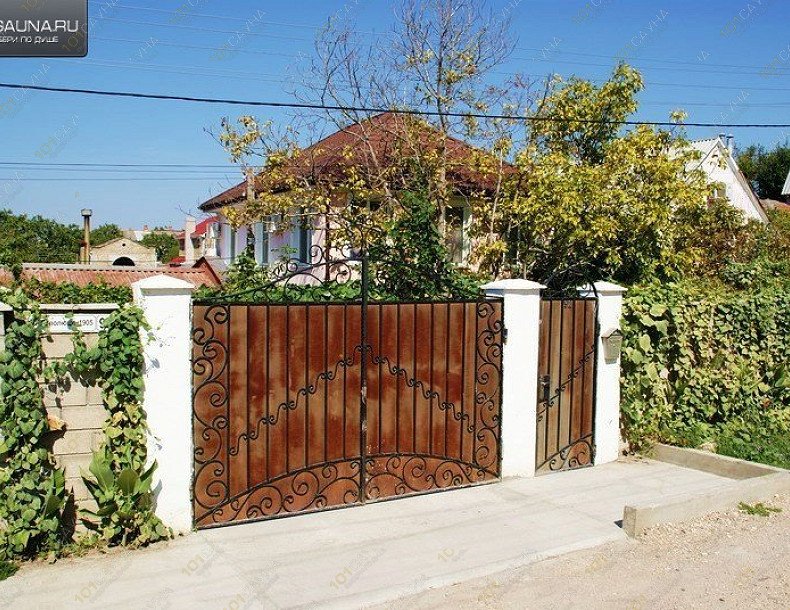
<point>533,75</point>
<point>187,165</point>
<point>636,60</point>
<point>171,69</point>
<point>212,173</point>
<point>198,47</point>
<point>656,59</point>
<point>111,179</point>
<point>187,13</point>
<point>367,109</point>
<point>212,30</point>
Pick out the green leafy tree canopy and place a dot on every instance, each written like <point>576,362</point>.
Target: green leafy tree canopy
<point>766,169</point>
<point>165,244</point>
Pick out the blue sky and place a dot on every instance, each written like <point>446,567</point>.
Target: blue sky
<point>725,61</point>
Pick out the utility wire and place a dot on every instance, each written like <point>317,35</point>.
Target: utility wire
<point>186,165</point>
<point>564,76</point>
<point>198,47</point>
<point>349,108</point>
<point>188,13</point>
<point>212,30</point>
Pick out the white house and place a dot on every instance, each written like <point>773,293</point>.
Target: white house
<point>381,136</point>
<point>719,164</point>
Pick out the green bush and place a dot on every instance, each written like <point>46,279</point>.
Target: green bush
<point>708,363</point>
<point>68,292</point>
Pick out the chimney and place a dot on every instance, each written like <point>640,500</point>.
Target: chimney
<point>189,249</point>
<point>86,235</point>
<point>731,143</point>
<point>250,179</point>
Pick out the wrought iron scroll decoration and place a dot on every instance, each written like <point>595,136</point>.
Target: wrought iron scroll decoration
<point>289,273</point>
<point>211,365</point>
<point>488,371</point>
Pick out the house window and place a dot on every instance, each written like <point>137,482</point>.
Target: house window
<point>457,219</point>
<point>232,245</point>
<point>304,238</point>
<point>261,232</point>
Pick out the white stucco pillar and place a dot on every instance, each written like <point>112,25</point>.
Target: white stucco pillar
<point>607,391</point>
<point>520,373</point>
<point>166,303</point>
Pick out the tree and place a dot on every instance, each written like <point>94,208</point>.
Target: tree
<point>441,58</point>
<point>766,170</point>
<point>105,233</point>
<point>166,245</point>
<point>590,201</point>
<point>35,239</point>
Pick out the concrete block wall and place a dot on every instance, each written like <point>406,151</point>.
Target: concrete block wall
<point>77,402</point>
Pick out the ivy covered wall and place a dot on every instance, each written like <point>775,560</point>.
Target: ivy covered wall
<point>709,365</point>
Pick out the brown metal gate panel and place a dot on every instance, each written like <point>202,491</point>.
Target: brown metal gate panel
<point>280,424</point>
<point>566,385</point>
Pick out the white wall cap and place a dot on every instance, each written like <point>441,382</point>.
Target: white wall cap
<point>78,306</point>
<point>512,286</point>
<point>602,288</point>
<point>162,283</point>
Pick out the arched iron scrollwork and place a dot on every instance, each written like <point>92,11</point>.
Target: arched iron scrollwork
<point>289,278</point>
<point>488,386</point>
<point>273,418</point>
<point>577,454</point>
<point>307,489</point>
<point>401,474</point>
<point>420,384</point>
<point>211,404</point>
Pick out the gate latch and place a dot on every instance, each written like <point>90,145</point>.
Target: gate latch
<point>545,381</point>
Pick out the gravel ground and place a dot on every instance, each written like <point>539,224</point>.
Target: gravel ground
<point>722,560</point>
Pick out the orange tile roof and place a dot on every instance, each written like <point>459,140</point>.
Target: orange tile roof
<point>385,134</point>
<point>199,275</point>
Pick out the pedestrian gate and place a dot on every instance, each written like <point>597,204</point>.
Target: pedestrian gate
<point>566,384</point>
<point>303,407</point>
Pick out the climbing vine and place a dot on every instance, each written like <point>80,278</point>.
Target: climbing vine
<point>707,364</point>
<point>32,487</point>
<point>119,480</point>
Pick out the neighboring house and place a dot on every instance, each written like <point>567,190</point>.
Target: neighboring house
<point>139,234</point>
<point>326,160</point>
<point>203,239</point>
<point>786,188</point>
<point>719,164</point>
<point>201,274</point>
<point>123,252</point>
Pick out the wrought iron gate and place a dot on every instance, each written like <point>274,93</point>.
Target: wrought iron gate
<point>566,384</point>
<point>305,406</point>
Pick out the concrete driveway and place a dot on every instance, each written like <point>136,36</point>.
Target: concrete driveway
<point>365,555</point>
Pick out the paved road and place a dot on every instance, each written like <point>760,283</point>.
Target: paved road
<point>722,561</point>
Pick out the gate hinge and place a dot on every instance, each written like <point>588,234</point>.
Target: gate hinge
<point>504,336</point>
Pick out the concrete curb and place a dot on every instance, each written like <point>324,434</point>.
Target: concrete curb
<point>750,483</point>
